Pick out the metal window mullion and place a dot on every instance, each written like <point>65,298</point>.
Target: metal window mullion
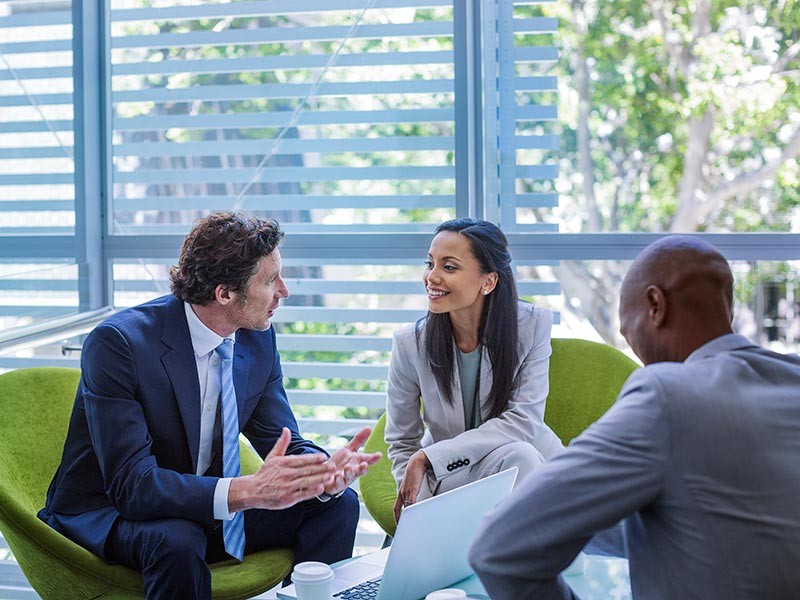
<point>466,49</point>
<point>506,115</point>
<point>476,95</point>
<point>91,32</point>
<point>491,108</point>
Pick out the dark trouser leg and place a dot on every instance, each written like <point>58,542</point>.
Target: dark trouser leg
<point>322,531</point>
<point>329,532</point>
<point>170,554</point>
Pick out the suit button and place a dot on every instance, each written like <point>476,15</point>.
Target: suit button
<point>450,467</point>
<point>459,463</point>
<point>466,462</point>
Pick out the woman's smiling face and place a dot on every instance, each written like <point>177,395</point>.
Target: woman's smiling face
<point>453,278</point>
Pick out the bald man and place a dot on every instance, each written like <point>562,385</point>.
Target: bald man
<point>699,458</point>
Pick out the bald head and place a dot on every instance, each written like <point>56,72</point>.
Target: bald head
<point>677,295</point>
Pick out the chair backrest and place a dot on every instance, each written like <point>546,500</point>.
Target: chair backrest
<point>377,485</point>
<point>35,405</point>
<point>585,380</point>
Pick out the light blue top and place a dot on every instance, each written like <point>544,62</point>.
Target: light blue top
<point>469,364</point>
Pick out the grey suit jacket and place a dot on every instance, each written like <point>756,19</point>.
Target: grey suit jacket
<point>440,430</point>
<point>702,457</point>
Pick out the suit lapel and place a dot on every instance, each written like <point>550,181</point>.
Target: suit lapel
<point>181,367</point>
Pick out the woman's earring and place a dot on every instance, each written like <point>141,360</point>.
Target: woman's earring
<point>485,292</point>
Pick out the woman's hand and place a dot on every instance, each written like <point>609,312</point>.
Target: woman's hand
<point>415,473</point>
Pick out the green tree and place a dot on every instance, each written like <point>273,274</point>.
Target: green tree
<point>680,116</point>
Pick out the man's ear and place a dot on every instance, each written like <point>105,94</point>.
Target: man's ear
<point>656,305</point>
<point>223,294</point>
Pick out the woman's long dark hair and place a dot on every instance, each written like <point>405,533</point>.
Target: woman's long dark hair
<point>498,325</point>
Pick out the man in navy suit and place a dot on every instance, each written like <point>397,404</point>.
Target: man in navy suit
<point>140,481</point>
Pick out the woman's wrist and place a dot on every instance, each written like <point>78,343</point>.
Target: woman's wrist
<point>422,458</point>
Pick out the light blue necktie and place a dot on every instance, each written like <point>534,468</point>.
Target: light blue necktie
<point>233,530</point>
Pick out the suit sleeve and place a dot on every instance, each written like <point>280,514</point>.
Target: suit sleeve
<point>404,426</point>
<point>613,469</point>
<point>523,419</point>
<point>134,483</point>
<point>273,413</point>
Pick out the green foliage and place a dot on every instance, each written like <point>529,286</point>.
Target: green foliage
<point>652,76</point>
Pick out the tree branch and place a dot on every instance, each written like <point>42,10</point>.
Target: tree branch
<point>585,163</point>
<point>678,53</point>
<point>746,182</point>
<point>701,21</point>
<point>693,162</point>
<point>792,52</point>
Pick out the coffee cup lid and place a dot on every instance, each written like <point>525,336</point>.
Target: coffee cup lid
<point>311,571</point>
<point>446,594</point>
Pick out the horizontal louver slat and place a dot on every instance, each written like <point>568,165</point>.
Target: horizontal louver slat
<point>208,93</point>
<point>286,146</point>
<point>300,287</point>
<point>282,174</point>
<point>278,202</point>
<point>279,119</point>
<point>264,8</point>
<point>282,35</point>
<point>281,62</point>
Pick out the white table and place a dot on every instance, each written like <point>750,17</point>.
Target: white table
<point>602,578</point>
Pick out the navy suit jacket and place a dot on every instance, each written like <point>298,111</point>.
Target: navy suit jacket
<point>134,434</point>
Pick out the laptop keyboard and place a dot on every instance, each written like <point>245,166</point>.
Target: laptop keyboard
<point>363,591</point>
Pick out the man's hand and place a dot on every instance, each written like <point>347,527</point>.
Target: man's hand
<point>415,473</point>
<point>282,481</point>
<point>351,463</point>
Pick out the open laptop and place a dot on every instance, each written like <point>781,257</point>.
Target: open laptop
<point>430,546</point>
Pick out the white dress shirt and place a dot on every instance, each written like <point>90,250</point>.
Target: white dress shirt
<point>204,341</point>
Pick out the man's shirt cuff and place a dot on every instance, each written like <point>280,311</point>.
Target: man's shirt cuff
<point>325,496</point>
<point>221,511</point>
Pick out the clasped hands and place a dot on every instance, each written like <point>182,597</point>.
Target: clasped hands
<point>283,481</point>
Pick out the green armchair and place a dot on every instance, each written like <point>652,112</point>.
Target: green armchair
<point>35,405</point>
<point>585,379</point>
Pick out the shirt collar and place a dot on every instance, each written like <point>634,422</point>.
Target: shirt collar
<point>724,343</point>
<point>203,339</point>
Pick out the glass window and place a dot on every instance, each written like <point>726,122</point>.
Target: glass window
<point>37,167</point>
<point>327,116</point>
<point>678,122</point>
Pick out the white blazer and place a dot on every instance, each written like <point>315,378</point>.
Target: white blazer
<point>440,427</point>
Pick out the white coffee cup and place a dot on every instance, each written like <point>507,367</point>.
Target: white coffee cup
<point>446,594</point>
<point>312,580</point>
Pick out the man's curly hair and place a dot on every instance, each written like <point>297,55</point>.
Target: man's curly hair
<point>222,248</point>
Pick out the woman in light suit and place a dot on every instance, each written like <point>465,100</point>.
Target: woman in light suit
<point>478,361</point>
